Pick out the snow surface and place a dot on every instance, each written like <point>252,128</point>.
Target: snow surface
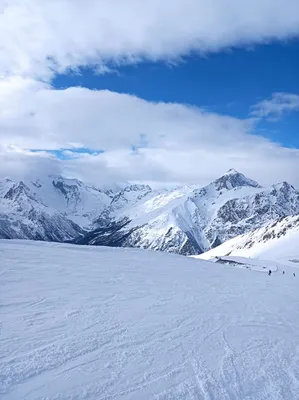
<point>252,264</point>
<point>100,323</point>
<point>276,241</point>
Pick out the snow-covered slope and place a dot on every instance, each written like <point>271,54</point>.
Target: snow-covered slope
<point>71,198</point>
<point>122,201</point>
<point>191,220</point>
<point>279,239</point>
<point>96,323</point>
<point>79,202</point>
<point>57,208</point>
<point>23,215</point>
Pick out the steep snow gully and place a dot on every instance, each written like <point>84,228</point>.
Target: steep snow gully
<point>101,323</point>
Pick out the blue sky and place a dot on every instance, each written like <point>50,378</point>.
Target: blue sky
<point>228,82</point>
<point>172,91</point>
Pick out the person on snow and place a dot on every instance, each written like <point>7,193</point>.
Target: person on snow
<point>283,272</point>
<point>270,272</point>
<point>294,274</point>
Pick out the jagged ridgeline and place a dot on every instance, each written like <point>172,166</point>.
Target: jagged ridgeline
<point>185,220</point>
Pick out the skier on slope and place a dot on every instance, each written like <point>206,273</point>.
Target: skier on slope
<point>283,272</point>
<point>270,272</point>
<point>294,274</point>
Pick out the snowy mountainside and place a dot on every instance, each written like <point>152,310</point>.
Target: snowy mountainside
<point>57,208</point>
<point>23,215</point>
<point>192,220</point>
<point>147,224</point>
<point>124,199</point>
<point>186,220</point>
<point>142,325</point>
<point>278,239</point>
<point>79,202</point>
<point>84,203</point>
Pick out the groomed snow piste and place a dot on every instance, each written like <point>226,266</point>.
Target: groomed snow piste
<point>98,324</point>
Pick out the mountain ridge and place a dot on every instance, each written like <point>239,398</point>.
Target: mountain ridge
<point>278,238</point>
<point>23,215</point>
<point>192,220</point>
<point>185,220</point>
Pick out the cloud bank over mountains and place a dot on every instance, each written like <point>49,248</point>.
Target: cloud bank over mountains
<point>141,140</point>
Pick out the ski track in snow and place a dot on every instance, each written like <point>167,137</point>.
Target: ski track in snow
<point>101,324</point>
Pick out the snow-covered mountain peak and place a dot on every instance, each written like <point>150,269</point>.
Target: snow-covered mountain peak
<point>287,197</point>
<point>137,187</point>
<point>284,187</point>
<point>19,192</point>
<point>130,195</point>
<point>233,179</point>
<point>69,190</point>
<point>24,215</point>
<point>190,219</point>
<point>80,202</point>
<point>231,171</point>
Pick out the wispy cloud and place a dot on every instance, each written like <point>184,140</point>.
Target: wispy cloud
<point>276,107</point>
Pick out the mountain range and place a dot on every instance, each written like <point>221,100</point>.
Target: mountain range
<point>186,220</point>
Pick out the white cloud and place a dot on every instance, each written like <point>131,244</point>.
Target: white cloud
<point>33,115</point>
<point>21,164</point>
<point>182,144</point>
<point>39,38</point>
<point>277,106</point>
<point>267,164</point>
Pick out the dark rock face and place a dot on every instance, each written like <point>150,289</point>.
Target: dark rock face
<point>216,242</point>
<point>233,179</point>
<point>68,191</point>
<point>110,236</point>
